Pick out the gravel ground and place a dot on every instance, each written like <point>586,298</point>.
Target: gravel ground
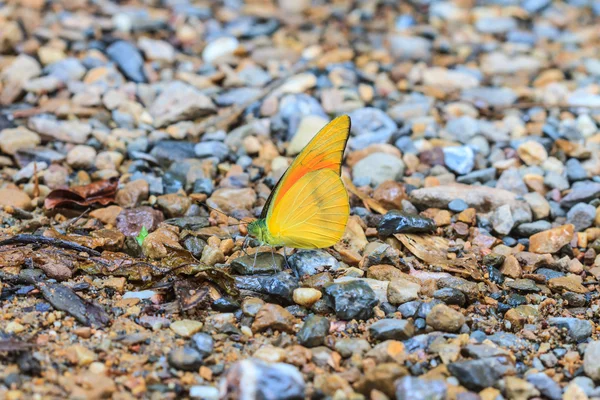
<point>469,268</point>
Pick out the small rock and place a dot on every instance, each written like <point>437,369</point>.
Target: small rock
<point>351,300</point>
<point>392,329</point>
<point>306,297</point>
<point>581,194</point>
<point>378,168</point>
<point>173,205</point>
<point>133,193</point>
<point>266,263</point>
<point>273,316</point>
<point>517,388</point>
<point>398,222</point>
<point>179,102</point>
<point>186,327</point>
<point>577,329</point>
<point>255,379</point>
<point>480,374</point>
<point>591,360</point>
<point>546,385</point>
<point>159,243</point>
<point>313,331</point>
<point>14,139</point>
<point>532,153</point>
<point>185,358</point>
<point>128,59</point>
<point>231,199</point>
<point>502,220</point>
<point>582,216</point>
<point>413,388</point>
<point>450,296</point>
<point>459,159</point>
<point>445,319</point>
<point>311,262</point>
<point>130,221</point>
<point>539,205</point>
<point>219,48</point>
<point>15,198</point>
<point>552,240</point>
<point>401,291</point>
<point>457,205</point>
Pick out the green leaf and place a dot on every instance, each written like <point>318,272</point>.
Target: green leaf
<point>142,235</point>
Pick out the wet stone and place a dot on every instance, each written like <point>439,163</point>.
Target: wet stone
<point>311,262</point>
<point>266,263</point>
<point>313,331</point>
<point>391,329</point>
<point>351,300</point>
<point>280,286</point>
<point>450,296</point>
<point>398,222</point>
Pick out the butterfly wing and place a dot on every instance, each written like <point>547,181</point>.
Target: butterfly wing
<point>324,151</point>
<point>313,213</point>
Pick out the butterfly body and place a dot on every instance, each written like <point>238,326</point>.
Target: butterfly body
<point>309,208</point>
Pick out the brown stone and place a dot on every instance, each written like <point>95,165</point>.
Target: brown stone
<point>385,272</point>
<point>567,284</point>
<point>521,315</point>
<point>131,221</point>
<point>273,316</point>
<point>15,198</point>
<point>511,267</point>
<point>173,204</point>
<point>445,319</point>
<point>133,193</point>
<point>467,216</point>
<point>231,199</point>
<point>442,218</point>
<point>107,215</point>
<point>552,240</point>
<point>157,243</point>
<point>390,195</point>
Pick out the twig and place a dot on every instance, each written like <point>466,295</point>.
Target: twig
<point>35,239</point>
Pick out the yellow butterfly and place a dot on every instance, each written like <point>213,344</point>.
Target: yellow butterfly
<point>309,208</point>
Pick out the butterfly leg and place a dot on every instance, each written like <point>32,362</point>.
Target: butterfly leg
<point>245,244</point>
<point>255,256</point>
<point>287,264</point>
<point>273,256</point>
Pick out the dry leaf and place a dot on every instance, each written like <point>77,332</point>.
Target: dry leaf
<point>434,250</point>
<point>101,192</point>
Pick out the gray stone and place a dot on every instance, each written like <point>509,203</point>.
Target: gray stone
<point>581,215</point>
<point>379,167</point>
<point>480,374</point>
<point>531,228</point>
<point>546,385</point>
<point>313,331</point>
<point>555,180</point>
<point>351,300</point>
<point>591,360</point>
<point>463,128</point>
<point>311,262</point>
<point>392,329</point>
<point>511,180</point>
<point>413,388</point>
<point>502,220</point>
<point>459,159</point>
<point>577,329</point>
<point>370,125</point>
<point>581,193</point>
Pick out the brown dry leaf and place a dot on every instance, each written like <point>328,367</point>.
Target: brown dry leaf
<point>370,204</point>
<point>434,250</point>
<point>101,192</point>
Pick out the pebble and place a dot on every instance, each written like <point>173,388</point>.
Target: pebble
<point>401,291</point>
<point>273,316</point>
<point>15,139</point>
<point>311,262</point>
<point>577,329</point>
<point>253,378</point>
<point>581,194</point>
<point>460,159</point>
<point>591,360</point>
<point>552,240</point>
<point>399,222</point>
<point>219,48</point>
<point>306,297</point>
<point>445,319</point>
<point>313,331</point>
<point>414,388</point>
<point>351,300</point>
<point>186,327</point>
<point>502,220</point>
<point>532,153</point>
<point>266,263</point>
<point>15,198</point>
<point>377,168</point>
<point>391,329</point>
<point>185,358</point>
<point>128,59</point>
<point>581,216</point>
<point>179,101</point>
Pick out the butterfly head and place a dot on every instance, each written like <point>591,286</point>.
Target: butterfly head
<point>257,229</point>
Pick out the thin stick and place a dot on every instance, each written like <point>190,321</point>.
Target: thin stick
<point>63,244</point>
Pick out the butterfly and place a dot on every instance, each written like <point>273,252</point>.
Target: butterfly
<point>309,207</point>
